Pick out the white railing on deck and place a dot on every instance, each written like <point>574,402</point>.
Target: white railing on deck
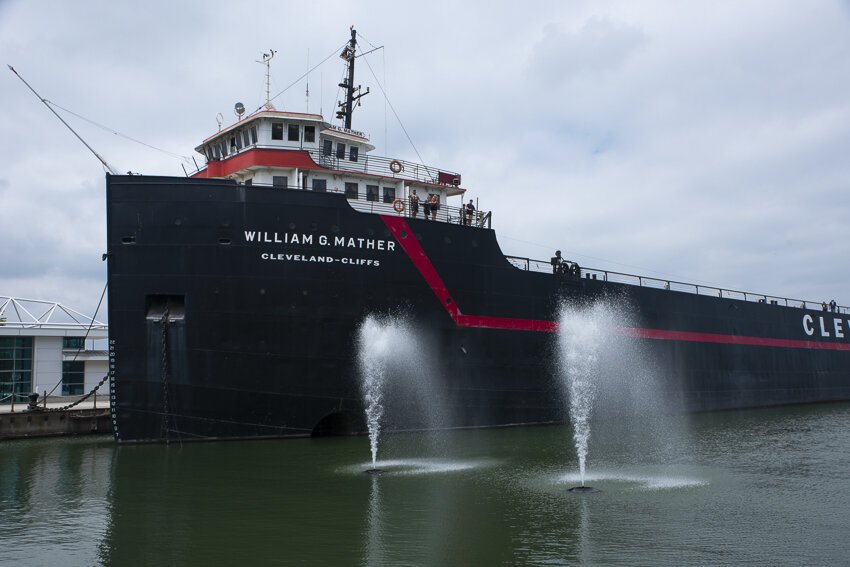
<point>672,285</point>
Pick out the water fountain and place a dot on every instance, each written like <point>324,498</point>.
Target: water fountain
<point>373,339</point>
<point>580,337</point>
<point>612,387</point>
<point>396,378</point>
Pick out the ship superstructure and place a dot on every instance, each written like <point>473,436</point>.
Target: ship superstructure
<point>304,151</point>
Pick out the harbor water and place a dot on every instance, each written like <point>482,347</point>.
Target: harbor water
<point>761,487</point>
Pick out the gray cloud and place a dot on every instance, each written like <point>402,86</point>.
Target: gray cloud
<point>700,141</point>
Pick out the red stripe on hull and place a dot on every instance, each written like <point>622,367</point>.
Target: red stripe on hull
<point>405,237</point>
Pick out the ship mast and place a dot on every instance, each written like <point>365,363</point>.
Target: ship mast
<point>267,60</point>
<point>347,107</point>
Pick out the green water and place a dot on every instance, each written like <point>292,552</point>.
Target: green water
<point>767,487</point>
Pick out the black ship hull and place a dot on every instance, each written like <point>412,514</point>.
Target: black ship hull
<point>234,311</point>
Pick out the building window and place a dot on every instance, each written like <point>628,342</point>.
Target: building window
<point>293,134</point>
<point>389,194</point>
<point>277,130</point>
<point>327,147</point>
<point>310,134</point>
<point>73,342</point>
<point>253,134</point>
<point>280,181</point>
<point>73,378</point>
<point>340,150</point>
<point>15,368</point>
<point>371,192</point>
<point>320,185</point>
<point>352,155</point>
<point>351,190</point>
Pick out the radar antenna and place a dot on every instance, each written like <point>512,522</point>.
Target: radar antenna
<point>347,107</point>
<point>267,58</point>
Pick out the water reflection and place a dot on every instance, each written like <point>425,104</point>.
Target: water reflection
<point>374,529</point>
<point>53,492</point>
<point>413,509</point>
<point>493,497</point>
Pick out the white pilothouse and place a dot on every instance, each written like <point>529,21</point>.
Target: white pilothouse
<point>303,151</point>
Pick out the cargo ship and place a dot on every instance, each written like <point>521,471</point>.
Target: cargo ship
<point>236,294</point>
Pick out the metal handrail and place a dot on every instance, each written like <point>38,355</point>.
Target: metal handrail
<point>366,163</point>
<point>445,214</point>
<point>673,285</point>
<point>383,167</point>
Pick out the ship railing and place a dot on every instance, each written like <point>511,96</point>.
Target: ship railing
<point>386,167</point>
<point>445,213</point>
<point>378,204</point>
<point>673,285</point>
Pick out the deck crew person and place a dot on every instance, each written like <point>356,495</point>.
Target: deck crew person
<point>469,211</point>
<point>435,206</point>
<point>414,204</point>
<point>557,263</point>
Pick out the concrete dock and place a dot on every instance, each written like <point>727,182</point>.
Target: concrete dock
<point>88,417</point>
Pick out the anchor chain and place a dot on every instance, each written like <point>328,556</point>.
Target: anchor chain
<point>82,399</point>
<point>164,375</point>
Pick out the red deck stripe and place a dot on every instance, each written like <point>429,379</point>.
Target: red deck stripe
<point>398,226</point>
<point>728,339</point>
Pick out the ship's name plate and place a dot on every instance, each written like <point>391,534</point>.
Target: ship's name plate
<point>334,241</point>
<point>823,327</point>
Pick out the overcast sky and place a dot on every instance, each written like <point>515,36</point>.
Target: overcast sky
<point>704,141</point>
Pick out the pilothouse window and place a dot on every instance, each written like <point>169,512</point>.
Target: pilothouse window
<point>340,150</point>
<point>293,136</point>
<point>371,192</point>
<point>353,153</point>
<point>309,134</point>
<point>277,130</point>
<point>327,147</point>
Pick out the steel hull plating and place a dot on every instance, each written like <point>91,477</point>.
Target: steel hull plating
<point>233,312</point>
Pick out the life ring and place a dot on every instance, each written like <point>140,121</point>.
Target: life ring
<point>398,205</point>
<point>396,167</point>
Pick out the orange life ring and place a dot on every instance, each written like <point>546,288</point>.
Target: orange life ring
<point>398,205</point>
<point>396,167</point>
